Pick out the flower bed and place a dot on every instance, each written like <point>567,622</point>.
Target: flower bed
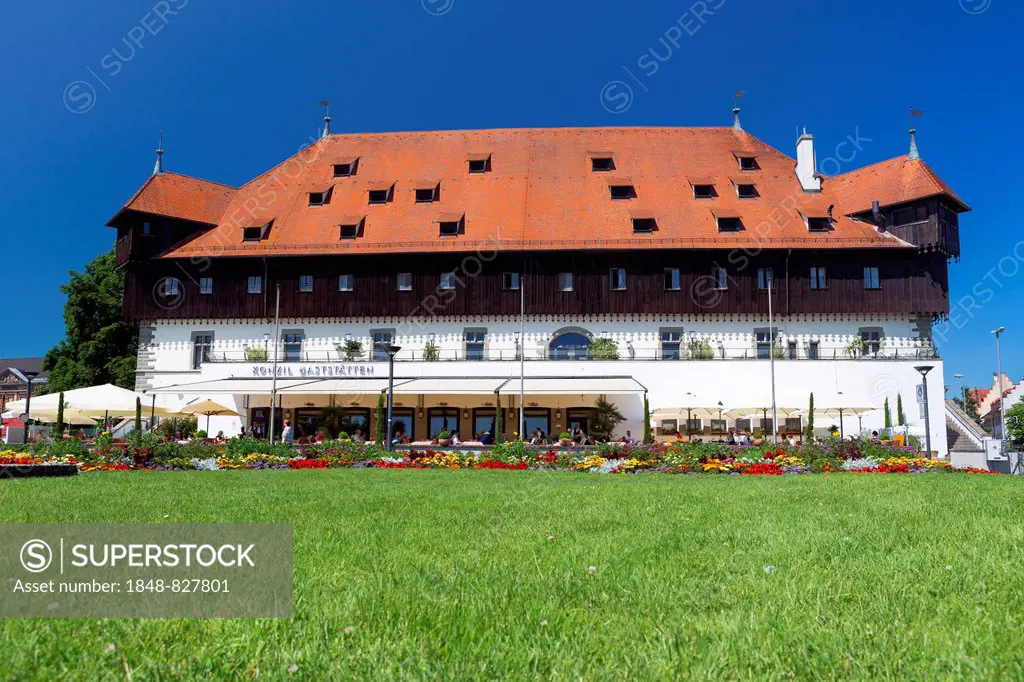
<point>612,458</point>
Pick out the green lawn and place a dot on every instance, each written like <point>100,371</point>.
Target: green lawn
<point>426,574</point>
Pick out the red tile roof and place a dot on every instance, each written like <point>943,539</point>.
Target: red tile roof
<point>540,193</point>
<point>888,182</point>
<point>181,196</point>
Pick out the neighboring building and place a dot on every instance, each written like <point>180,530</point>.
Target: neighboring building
<point>988,402</point>
<point>670,242</point>
<point>13,384</point>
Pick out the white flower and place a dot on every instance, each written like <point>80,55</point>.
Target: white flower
<point>109,648</point>
<point>292,669</point>
<point>769,569</point>
<point>591,570</point>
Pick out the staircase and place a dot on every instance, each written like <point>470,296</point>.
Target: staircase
<point>146,361</point>
<point>962,433</point>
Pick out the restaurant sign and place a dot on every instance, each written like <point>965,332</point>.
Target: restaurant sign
<point>300,370</point>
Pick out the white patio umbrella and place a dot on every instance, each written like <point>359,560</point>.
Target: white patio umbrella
<point>852,411</point>
<point>762,412</point>
<point>209,408</point>
<point>99,402</point>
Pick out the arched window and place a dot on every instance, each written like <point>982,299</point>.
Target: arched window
<point>570,344</point>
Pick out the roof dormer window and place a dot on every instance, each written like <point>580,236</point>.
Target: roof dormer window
<point>818,224</point>
<point>602,164</point>
<point>644,225</point>
<point>480,163</point>
<point>704,190</point>
<point>622,190</point>
<point>746,190</point>
<point>747,163</point>
<point>428,195</point>
<point>451,224</point>
<point>352,227</point>
<point>256,233</point>
<point>729,223</point>
<point>346,169</point>
<point>320,198</point>
<point>381,194</point>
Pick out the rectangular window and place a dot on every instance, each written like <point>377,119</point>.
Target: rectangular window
<point>791,350</point>
<point>872,339</point>
<point>720,278</point>
<point>450,228</point>
<point>748,163</point>
<point>694,425</point>
<point>730,224</point>
<point>671,343</point>
<point>447,280</point>
<point>644,224</point>
<point>252,234</point>
<point>602,164</point>
<point>291,342</point>
<point>704,192</point>
<point>202,344</point>
<point>404,280</point>
<point>344,170</point>
<point>765,279</point>
<point>351,230</point>
<point>913,214</point>
<point>747,191</point>
<point>344,282</point>
<point>871,280</point>
<point>617,279</point>
<point>565,281</point>
<point>620,192</point>
<point>743,425</point>
<point>206,286</point>
<point>818,280</point>
<point>381,338</point>
<point>255,285</point>
<point>763,341</point>
<point>819,224</point>
<point>380,196</point>
<point>672,282</point>
<point>319,198</point>
<point>812,350</point>
<point>480,165</point>
<point>427,195</point>
<point>147,230</point>
<point>510,281</point>
<point>306,284</point>
<point>474,339</point>
<point>171,286</point>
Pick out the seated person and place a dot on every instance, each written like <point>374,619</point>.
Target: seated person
<point>486,438</point>
<point>731,438</point>
<point>455,438</point>
<point>358,437</point>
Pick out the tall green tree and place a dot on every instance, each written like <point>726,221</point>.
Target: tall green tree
<point>138,415</point>
<point>901,417</point>
<point>809,430</point>
<point>59,427</point>
<point>499,420</point>
<point>888,415</point>
<point>382,419</point>
<point>648,437</point>
<point>98,346</point>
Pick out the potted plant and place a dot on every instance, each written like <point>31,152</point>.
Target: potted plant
<point>603,348</point>
<point>351,350</point>
<point>700,349</point>
<point>854,348</point>
<point>431,353</point>
<point>564,438</point>
<point>834,430</point>
<point>444,438</point>
<point>256,354</point>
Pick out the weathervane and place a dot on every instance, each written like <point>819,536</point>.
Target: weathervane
<point>914,113</point>
<point>327,118</point>
<point>736,111</point>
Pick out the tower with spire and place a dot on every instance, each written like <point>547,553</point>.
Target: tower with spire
<point>158,167</point>
<point>327,120</point>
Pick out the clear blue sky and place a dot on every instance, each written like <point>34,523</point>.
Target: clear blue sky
<point>235,87</point>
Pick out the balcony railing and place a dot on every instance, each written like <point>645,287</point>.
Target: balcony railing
<point>663,354</point>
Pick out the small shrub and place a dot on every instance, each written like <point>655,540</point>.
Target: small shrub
<point>256,354</point>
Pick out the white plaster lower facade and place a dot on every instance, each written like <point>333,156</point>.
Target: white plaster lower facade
<point>736,377</point>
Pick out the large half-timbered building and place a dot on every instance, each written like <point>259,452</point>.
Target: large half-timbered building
<point>666,262</point>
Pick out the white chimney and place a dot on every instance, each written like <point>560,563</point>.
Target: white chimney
<point>806,164</point>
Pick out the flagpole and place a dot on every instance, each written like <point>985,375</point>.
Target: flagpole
<point>771,356</point>
<point>522,351</point>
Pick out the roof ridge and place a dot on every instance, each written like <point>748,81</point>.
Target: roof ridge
<point>193,177</point>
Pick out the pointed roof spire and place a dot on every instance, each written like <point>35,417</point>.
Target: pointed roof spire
<point>158,167</point>
<point>736,119</point>
<point>327,120</point>
<point>913,145</point>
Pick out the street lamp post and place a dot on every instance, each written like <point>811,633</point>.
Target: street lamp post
<point>29,376</point>
<point>392,351</point>
<point>277,342</point>
<point>963,391</point>
<point>770,277</point>
<point>924,369</point>
<point>999,373</point>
